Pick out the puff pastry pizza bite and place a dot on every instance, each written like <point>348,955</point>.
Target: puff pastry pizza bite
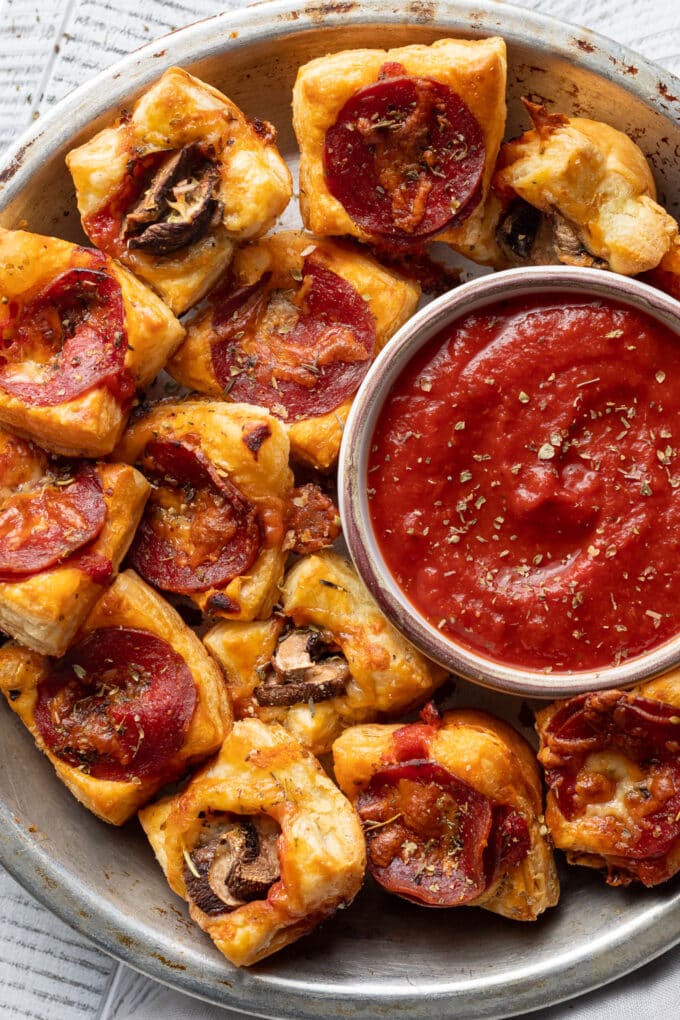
<point>79,334</point>
<point>294,327</point>
<point>327,659</point>
<point>261,843</point>
<point>64,529</point>
<point>612,765</point>
<point>214,528</point>
<point>133,703</point>
<point>452,812</point>
<point>398,146</point>
<point>175,182</point>
<point>575,191</point>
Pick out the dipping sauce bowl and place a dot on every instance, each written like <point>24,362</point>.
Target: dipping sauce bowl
<point>510,481</point>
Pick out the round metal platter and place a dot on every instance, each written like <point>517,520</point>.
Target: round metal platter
<point>381,956</point>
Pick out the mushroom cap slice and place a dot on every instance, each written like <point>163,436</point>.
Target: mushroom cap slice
<point>235,867</point>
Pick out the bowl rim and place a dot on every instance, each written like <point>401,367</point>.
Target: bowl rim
<point>354,505</point>
<point>636,940</point>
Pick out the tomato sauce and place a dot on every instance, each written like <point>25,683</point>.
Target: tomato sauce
<point>524,483</point>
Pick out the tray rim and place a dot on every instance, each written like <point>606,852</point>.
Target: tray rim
<point>657,929</point>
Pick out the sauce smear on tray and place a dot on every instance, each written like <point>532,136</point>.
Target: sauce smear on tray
<point>524,484</point>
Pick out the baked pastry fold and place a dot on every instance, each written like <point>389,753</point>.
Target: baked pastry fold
<point>428,122</point>
<point>452,812</point>
<point>327,659</point>
<point>575,191</point>
<point>215,525</point>
<point>261,843</point>
<point>173,184</point>
<point>134,703</point>
<point>612,765</point>
<point>64,530</point>
<point>294,326</point>
<point>80,334</point>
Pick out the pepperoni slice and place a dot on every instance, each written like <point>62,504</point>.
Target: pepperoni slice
<point>405,157</point>
<point>433,839</point>
<point>299,353</point>
<point>67,339</point>
<point>118,706</point>
<point>199,531</point>
<point>44,525</point>
<point>640,728</point>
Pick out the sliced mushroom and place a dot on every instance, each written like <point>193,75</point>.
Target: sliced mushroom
<point>321,681</point>
<point>178,207</point>
<point>517,230</point>
<point>235,867</point>
<point>569,247</point>
<point>303,670</point>
<point>196,880</point>
<point>293,655</point>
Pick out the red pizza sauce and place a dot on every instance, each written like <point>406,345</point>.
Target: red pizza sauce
<point>522,482</point>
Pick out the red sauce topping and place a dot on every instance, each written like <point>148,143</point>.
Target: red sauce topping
<point>47,523</point>
<point>434,839</point>
<point>646,732</point>
<point>198,531</point>
<point>67,338</point>
<point>522,482</point>
<point>118,705</point>
<point>300,352</point>
<point>405,157</point>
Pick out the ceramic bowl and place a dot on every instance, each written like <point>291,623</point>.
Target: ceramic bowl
<point>353,484</point>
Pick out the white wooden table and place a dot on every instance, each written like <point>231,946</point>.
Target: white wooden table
<point>47,971</point>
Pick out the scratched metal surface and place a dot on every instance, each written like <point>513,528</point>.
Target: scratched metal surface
<point>381,956</point>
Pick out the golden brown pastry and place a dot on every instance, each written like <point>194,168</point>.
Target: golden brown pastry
<point>612,765</point>
<point>666,276</point>
<point>261,843</point>
<point>135,701</point>
<point>64,529</point>
<point>215,524</point>
<point>398,146</point>
<point>576,191</point>
<point>326,660</point>
<point>80,334</point>
<point>294,327</point>
<point>452,812</point>
<point>172,185</point>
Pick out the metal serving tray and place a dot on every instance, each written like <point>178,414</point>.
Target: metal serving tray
<point>382,956</point>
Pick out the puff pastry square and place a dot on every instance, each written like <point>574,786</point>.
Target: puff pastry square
<point>64,529</point>
<point>261,843</point>
<point>452,812</point>
<point>175,182</point>
<point>612,765</point>
<point>80,334</point>
<point>294,327</point>
<point>327,660</point>
<point>215,524</point>
<point>398,146</point>
<point>134,703</point>
<point>575,191</point>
